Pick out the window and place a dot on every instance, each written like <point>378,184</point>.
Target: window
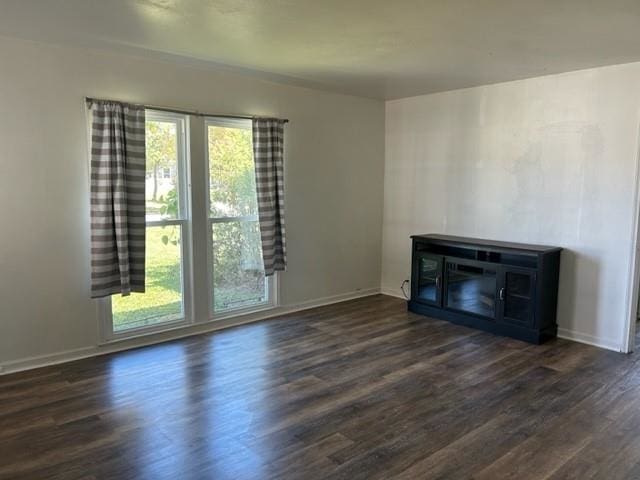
<point>237,272</point>
<point>224,258</point>
<point>166,236</point>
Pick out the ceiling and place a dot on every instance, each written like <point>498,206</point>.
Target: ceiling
<point>374,48</point>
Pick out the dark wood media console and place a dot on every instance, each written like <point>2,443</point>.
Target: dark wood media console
<point>505,288</point>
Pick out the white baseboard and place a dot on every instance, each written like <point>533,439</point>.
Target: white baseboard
<point>319,302</point>
<point>589,339</point>
<point>393,292</point>
<point>607,344</point>
<point>187,331</point>
<point>86,352</point>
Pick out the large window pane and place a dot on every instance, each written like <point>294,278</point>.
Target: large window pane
<point>238,271</point>
<point>238,280</point>
<point>232,177</point>
<point>161,187</point>
<point>162,300</point>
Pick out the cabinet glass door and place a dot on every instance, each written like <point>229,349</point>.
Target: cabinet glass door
<point>427,284</point>
<point>471,287</point>
<point>517,296</point>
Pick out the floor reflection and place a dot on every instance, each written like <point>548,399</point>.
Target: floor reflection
<point>181,404</point>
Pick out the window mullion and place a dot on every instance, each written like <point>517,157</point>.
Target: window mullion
<point>200,230</point>
<point>247,218</point>
<point>164,223</point>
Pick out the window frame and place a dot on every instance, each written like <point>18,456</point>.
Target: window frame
<point>106,330</point>
<point>271,282</point>
<point>193,162</point>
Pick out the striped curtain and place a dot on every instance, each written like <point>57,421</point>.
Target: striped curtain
<point>117,198</point>
<point>268,146</point>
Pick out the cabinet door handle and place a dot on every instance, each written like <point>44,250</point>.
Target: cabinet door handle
<point>501,293</point>
<point>437,281</point>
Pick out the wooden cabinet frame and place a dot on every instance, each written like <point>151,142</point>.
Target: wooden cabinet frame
<point>524,308</point>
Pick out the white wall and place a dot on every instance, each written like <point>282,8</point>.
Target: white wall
<point>548,160</point>
<point>334,175</point>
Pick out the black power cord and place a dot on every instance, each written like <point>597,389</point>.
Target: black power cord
<point>403,291</point>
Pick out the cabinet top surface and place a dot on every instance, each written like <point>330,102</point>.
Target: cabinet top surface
<point>479,242</point>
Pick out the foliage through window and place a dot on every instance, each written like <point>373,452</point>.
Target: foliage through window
<point>238,273</point>
<point>162,301</point>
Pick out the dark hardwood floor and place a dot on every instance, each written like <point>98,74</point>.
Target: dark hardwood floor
<point>358,390</point>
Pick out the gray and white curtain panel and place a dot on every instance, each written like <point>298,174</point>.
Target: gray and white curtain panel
<point>268,153</point>
<point>117,198</point>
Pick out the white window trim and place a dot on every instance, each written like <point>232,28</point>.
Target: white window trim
<point>273,299</point>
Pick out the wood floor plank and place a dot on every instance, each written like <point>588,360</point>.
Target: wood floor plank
<point>357,390</point>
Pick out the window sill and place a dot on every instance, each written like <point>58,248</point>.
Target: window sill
<point>164,332</point>
<point>216,317</point>
<point>145,332</point>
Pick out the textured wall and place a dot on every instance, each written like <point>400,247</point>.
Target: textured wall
<point>334,174</point>
<point>547,160</point>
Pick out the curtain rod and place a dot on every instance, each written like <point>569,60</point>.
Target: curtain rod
<point>90,100</point>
